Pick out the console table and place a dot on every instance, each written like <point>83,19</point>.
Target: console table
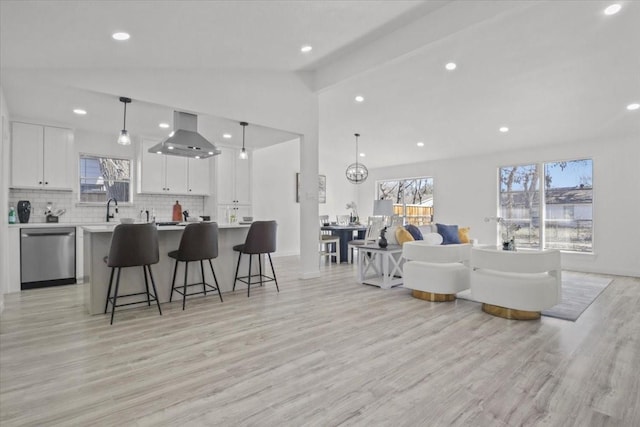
<point>380,266</point>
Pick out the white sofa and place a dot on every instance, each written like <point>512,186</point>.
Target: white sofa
<point>436,272</point>
<point>516,285</point>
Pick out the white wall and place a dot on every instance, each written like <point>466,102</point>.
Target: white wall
<point>4,184</point>
<point>466,191</point>
<point>274,192</point>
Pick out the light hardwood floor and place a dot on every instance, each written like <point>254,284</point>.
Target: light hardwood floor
<point>322,352</point>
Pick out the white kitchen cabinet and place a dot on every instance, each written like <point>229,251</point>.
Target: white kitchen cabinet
<point>233,178</point>
<point>233,184</point>
<point>41,157</point>
<point>159,173</point>
<point>199,177</point>
<point>13,260</point>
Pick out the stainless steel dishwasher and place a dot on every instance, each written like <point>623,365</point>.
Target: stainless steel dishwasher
<point>47,257</point>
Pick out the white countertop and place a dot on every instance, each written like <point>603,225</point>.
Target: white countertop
<point>105,226</point>
<point>108,227</point>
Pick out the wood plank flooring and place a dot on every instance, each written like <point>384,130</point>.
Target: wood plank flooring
<point>322,352</point>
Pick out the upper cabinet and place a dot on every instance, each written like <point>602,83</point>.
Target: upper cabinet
<point>159,173</point>
<point>41,157</point>
<point>233,178</point>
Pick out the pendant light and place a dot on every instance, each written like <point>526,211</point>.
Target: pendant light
<point>124,138</point>
<point>357,173</point>
<point>243,154</point>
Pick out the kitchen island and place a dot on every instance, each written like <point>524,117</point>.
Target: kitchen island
<point>97,241</point>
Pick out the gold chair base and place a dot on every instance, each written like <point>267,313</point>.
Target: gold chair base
<point>430,296</point>
<point>509,313</point>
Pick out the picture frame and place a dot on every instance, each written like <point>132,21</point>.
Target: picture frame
<point>322,188</point>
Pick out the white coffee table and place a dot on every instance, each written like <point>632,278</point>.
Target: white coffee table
<point>380,266</point>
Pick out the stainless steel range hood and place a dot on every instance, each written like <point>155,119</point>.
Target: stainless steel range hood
<point>185,141</point>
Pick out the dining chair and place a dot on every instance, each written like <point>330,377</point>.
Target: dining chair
<point>374,225</point>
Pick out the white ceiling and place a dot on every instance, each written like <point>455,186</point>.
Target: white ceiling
<point>552,71</point>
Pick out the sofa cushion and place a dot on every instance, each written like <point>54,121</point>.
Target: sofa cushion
<point>449,234</point>
<point>463,234</point>
<point>415,231</point>
<point>402,236</point>
<point>391,234</point>
<point>432,238</point>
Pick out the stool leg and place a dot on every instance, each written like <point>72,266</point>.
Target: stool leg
<point>173,282</point>
<point>155,291</point>
<point>215,280</point>
<point>146,285</point>
<point>260,267</point>
<point>249,277</point>
<point>115,295</point>
<point>106,304</point>
<point>237,268</point>
<point>274,273</point>
<point>204,285</point>
<point>184,293</point>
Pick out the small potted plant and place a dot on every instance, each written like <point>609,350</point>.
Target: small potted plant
<point>353,216</point>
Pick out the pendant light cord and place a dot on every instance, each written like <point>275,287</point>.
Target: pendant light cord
<point>357,135</point>
<point>243,129</point>
<point>124,125</point>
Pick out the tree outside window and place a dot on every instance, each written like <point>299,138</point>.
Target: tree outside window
<point>566,200</point>
<point>412,198</point>
<point>103,178</point>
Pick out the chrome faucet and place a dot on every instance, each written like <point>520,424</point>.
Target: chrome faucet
<point>109,205</point>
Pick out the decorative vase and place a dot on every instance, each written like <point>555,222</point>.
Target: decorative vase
<point>382,242</point>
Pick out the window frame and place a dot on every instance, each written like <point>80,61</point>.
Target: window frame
<point>404,204</point>
<point>81,155</point>
<point>543,202</point>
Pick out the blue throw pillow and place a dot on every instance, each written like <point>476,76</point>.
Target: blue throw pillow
<point>414,231</point>
<point>449,234</point>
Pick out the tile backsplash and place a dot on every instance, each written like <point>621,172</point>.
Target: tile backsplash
<point>75,212</point>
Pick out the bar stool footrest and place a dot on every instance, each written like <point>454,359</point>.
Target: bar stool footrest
<point>180,291</point>
<point>264,279</point>
<point>145,301</point>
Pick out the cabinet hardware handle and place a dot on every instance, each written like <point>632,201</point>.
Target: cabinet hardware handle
<point>46,183</point>
<point>39,182</point>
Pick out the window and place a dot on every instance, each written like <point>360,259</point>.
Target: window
<point>103,178</point>
<point>566,200</point>
<point>569,205</point>
<point>412,198</point>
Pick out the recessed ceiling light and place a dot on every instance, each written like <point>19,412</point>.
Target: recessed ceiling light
<point>504,129</point>
<point>170,147</point>
<point>80,111</point>
<point>120,36</point>
<point>450,66</point>
<point>197,157</point>
<point>211,153</point>
<point>420,144</point>
<point>159,152</point>
<point>226,135</point>
<point>164,125</point>
<point>612,9</point>
<point>359,98</point>
<point>363,155</point>
<point>306,49</point>
<point>632,107</point>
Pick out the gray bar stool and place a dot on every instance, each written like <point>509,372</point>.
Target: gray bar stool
<point>199,241</point>
<point>133,245</point>
<point>261,239</point>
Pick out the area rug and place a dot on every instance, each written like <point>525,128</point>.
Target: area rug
<point>579,290</point>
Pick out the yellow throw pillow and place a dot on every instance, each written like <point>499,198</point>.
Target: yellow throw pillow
<point>463,234</point>
<point>402,235</point>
